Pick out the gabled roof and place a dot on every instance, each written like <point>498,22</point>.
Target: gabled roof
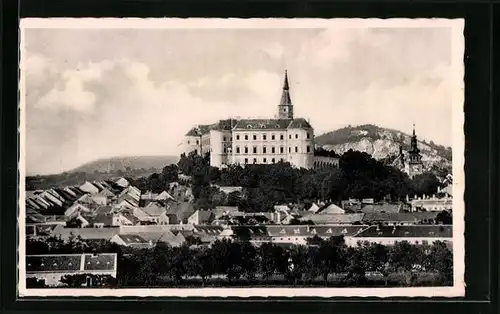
<point>85,233</point>
<point>334,218</point>
<point>205,215</point>
<point>314,208</point>
<point>103,209</point>
<point>100,261</point>
<point>415,231</point>
<point>132,239</point>
<point>53,263</point>
<point>210,230</point>
<point>154,210</point>
<point>401,217</point>
<point>331,209</point>
<point>122,182</point>
<point>330,231</point>
<point>284,231</point>
<point>182,210</point>
<point>262,124</point>
<point>385,207</point>
<point>133,219</point>
<point>106,219</point>
<point>249,232</point>
<point>299,123</point>
<point>164,196</point>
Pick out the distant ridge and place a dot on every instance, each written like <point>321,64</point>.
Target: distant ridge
<point>382,143</point>
<point>115,164</point>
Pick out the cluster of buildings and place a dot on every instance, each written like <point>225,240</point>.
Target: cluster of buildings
<point>118,212</point>
<point>260,141</point>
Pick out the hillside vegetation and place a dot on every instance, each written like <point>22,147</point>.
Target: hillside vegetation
<point>382,143</point>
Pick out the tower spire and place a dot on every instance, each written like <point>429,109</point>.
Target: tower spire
<point>285,108</point>
<point>285,84</point>
<point>413,129</point>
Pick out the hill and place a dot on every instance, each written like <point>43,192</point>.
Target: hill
<point>382,143</point>
<point>103,169</point>
<point>124,164</point>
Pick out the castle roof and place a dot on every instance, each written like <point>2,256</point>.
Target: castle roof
<point>261,124</point>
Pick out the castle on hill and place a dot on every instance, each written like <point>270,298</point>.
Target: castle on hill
<point>260,141</point>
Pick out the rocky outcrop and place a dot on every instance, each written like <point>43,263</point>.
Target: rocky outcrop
<point>381,144</point>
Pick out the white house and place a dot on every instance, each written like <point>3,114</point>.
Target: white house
<point>76,209</point>
<point>122,182</point>
<point>89,188</point>
<point>416,234</point>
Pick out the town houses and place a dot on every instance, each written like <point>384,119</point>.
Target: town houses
<point>131,218</point>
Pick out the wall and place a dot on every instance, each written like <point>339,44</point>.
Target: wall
<point>259,143</point>
<point>221,146</point>
<point>297,140</point>
<point>190,144</point>
<point>321,161</point>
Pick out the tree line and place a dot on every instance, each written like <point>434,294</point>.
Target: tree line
<point>225,262</point>
<point>358,176</point>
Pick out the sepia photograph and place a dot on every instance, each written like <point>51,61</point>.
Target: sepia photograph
<point>241,157</point>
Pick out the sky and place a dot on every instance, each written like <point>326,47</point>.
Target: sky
<point>96,93</point>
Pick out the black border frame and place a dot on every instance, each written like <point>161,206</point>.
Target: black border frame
<point>481,131</point>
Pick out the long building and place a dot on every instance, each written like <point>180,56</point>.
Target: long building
<point>259,141</point>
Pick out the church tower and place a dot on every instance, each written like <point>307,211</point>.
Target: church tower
<point>414,165</point>
<point>285,108</point>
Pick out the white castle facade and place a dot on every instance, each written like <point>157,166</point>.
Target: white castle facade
<point>259,141</point>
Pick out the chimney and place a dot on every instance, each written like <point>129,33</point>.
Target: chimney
<point>407,198</point>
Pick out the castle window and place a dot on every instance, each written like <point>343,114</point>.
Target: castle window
<point>296,149</point>
<point>197,142</point>
<point>225,150</point>
<point>246,137</point>
<point>282,150</point>
<point>273,150</point>
<point>255,160</point>
<point>282,160</point>
<point>277,126</point>
<point>289,149</point>
<point>246,150</point>
<point>223,138</point>
<point>231,138</point>
<point>308,148</point>
<point>264,137</point>
<point>246,160</point>
<point>237,149</point>
<point>308,135</point>
<point>237,137</point>
<point>255,150</point>
<point>273,137</point>
<point>249,126</point>
<point>264,150</point>
<point>296,136</point>
<point>282,137</point>
<point>255,137</point>
<point>273,160</point>
<point>188,143</point>
<point>264,160</point>
<point>289,136</point>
